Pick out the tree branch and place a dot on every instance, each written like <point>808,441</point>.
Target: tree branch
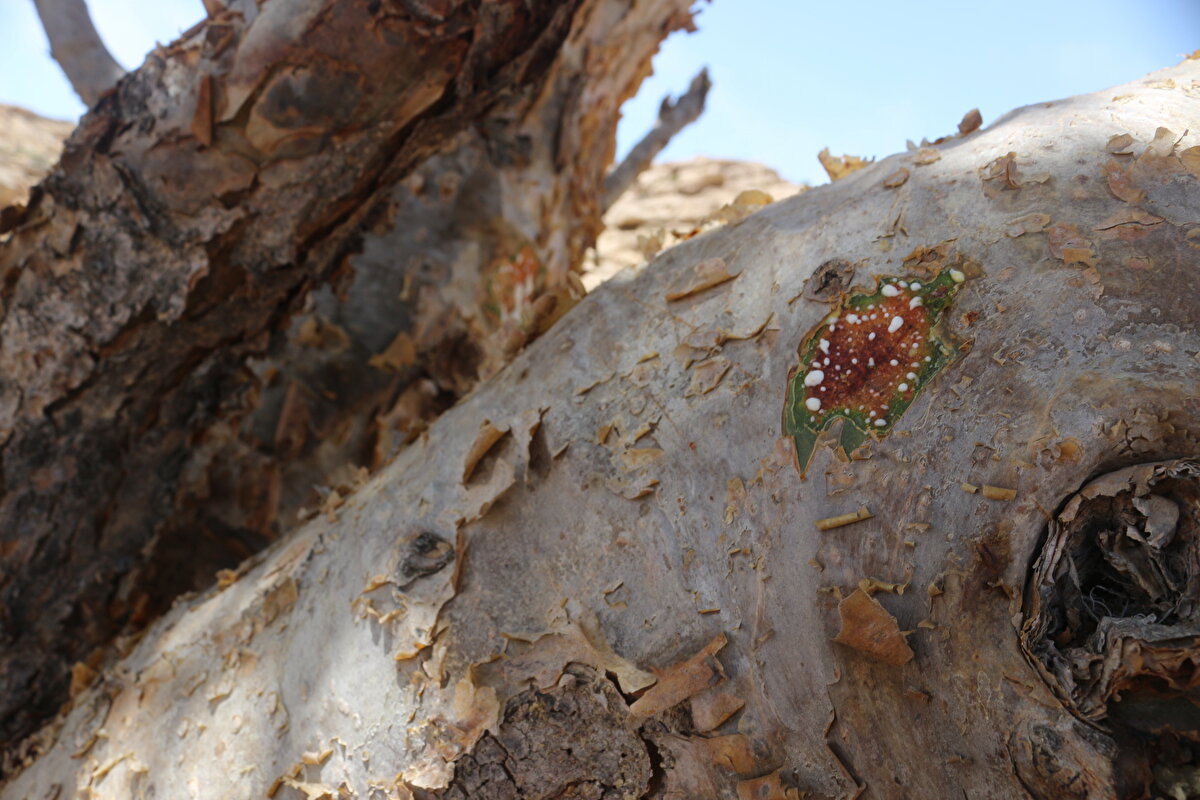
<point>78,48</point>
<point>672,118</point>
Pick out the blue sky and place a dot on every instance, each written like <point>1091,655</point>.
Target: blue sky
<point>790,76</point>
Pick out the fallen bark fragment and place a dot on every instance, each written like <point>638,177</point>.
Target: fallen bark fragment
<point>829,523</point>
<point>869,628</point>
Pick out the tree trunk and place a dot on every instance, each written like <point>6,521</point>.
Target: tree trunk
<point>602,574</point>
<point>159,418</point>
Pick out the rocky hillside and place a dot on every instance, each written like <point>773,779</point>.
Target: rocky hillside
<point>673,201</point>
<point>29,145</point>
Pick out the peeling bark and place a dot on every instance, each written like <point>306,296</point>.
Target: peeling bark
<point>480,258</point>
<point>386,646</point>
<point>189,217</point>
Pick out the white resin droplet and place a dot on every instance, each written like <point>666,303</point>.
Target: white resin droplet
<point>871,336</point>
<point>894,363</point>
<point>957,276</point>
<point>915,302</point>
<point>880,422</point>
<point>890,290</point>
<point>914,286</point>
<point>814,378</point>
<point>813,404</point>
<point>824,346</point>
<point>902,387</point>
<point>912,376</point>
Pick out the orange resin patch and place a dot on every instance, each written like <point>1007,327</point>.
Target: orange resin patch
<point>866,363</point>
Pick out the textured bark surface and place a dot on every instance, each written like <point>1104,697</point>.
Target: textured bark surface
<point>189,217</point>
<point>613,526</point>
<point>480,256</point>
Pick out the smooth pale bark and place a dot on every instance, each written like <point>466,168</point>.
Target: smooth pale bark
<point>78,48</point>
<point>393,645</point>
<point>673,116</point>
<point>192,212</point>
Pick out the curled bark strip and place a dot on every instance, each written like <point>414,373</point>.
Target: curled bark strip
<point>1112,620</point>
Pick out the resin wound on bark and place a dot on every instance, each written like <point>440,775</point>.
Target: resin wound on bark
<point>866,362</point>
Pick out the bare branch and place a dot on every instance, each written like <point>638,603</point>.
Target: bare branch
<point>78,49</point>
<point>672,118</point>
